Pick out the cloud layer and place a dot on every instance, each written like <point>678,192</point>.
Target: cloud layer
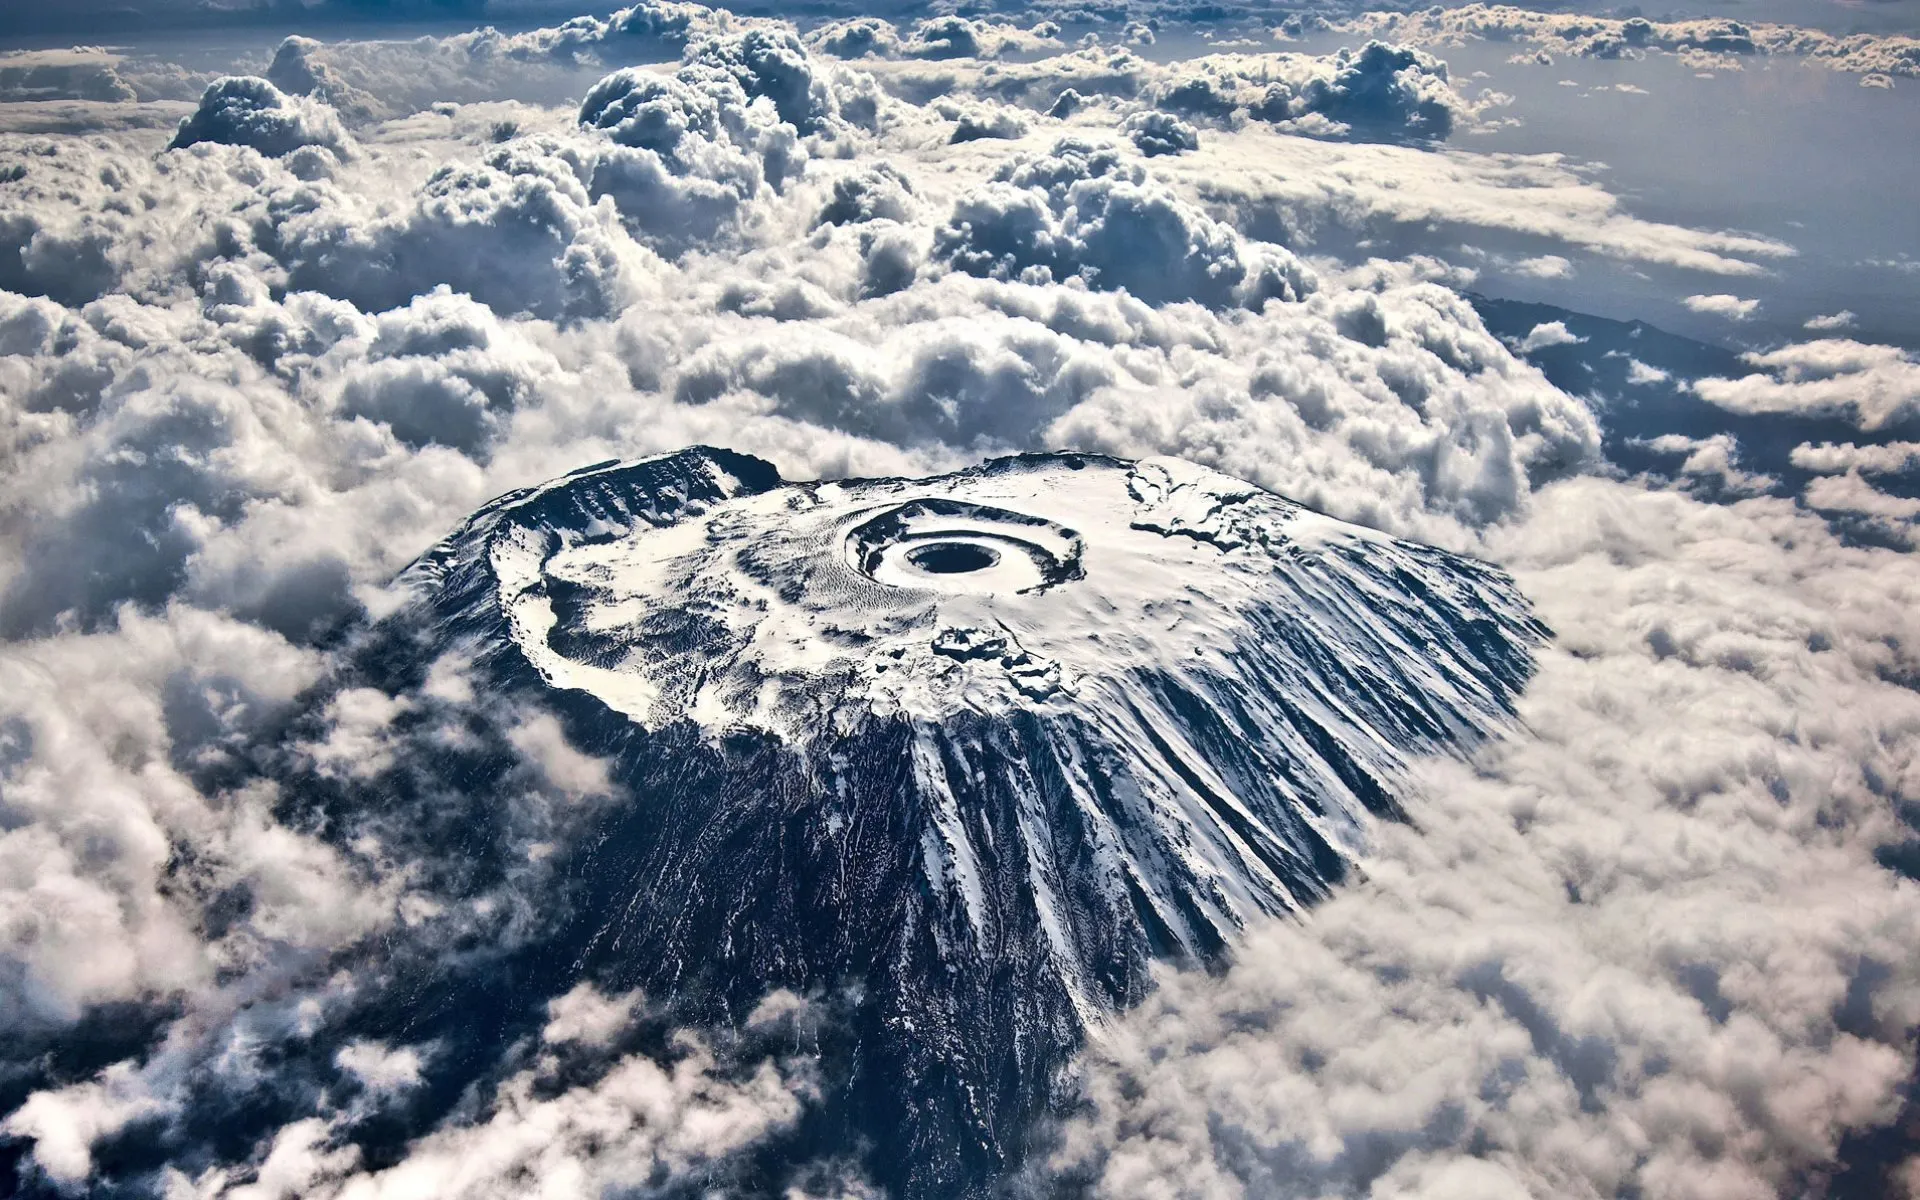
<point>1720,41</point>
<point>255,358</point>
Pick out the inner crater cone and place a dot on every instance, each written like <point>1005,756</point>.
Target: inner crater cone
<point>952,558</point>
<point>979,747</point>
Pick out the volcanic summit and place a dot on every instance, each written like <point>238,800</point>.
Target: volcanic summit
<point>979,747</point>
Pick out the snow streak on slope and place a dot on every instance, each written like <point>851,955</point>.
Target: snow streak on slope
<point>986,743</point>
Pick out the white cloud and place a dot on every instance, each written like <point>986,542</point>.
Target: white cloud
<point>1082,210</point>
<point>1544,266</point>
<point>1872,385</point>
<point>1535,200</point>
<point>1830,322</point>
<point>1713,459</point>
<point>1156,133</point>
<point>247,111</point>
<point>64,1124</point>
<point>1642,375</point>
<point>542,742</point>
<point>1828,458</point>
<point>1547,333</point>
<point>640,1124</point>
<point>1733,308</point>
<point>585,1015</point>
<point>72,74</point>
<point>1718,42</point>
<point>378,1068</point>
<point>1852,494</point>
<point>975,122</point>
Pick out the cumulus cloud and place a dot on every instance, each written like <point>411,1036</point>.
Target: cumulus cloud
<point>584,1015</point>
<point>76,74</point>
<point>379,1069</point>
<point>972,123</point>
<point>934,38</point>
<point>1873,385</point>
<point>642,1123</point>
<point>1642,375</point>
<point>960,37</point>
<point>1828,458</point>
<point>1155,133</point>
<point>1646,940</point>
<point>1850,493</point>
<point>1733,308</point>
<point>1896,54</point>
<point>248,111</point>
<point>298,70</point>
<point>1394,88</point>
<point>1084,211</point>
<point>1713,461</point>
<point>1544,266</point>
<point>1548,333</point>
<point>1378,92</point>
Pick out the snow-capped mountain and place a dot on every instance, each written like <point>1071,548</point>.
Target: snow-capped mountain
<point>977,747</point>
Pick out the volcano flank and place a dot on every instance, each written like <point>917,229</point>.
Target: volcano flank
<point>969,752</point>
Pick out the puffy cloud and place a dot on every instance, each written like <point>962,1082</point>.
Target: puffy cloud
<point>973,123</point>
<point>1379,93</point>
<point>879,192</point>
<point>584,1015</point>
<point>1642,375</point>
<point>244,110</point>
<point>110,737</point>
<point>1548,333</point>
<point>663,114</point>
<point>1830,322</point>
<point>518,230</point>
<point>1083,211</point>
<point>934,38</point>
<point>1393,89</point>
<point>1875,385</point>
<point>1544,266</point>
<point>1733,308</point>
<point>77,74</point>
<point>641,1124</point>
<point>773,65</point>
<point>1713,461</point>
<point>64,1125</point>
<point>959,37</point>
<point>1828,458</point>
<point>692,152</point>
<point>1156,133</point>
<point>299,70</point>
<point>1207,95</point>
<point>1850,493</point>
<point>1613,38</point>
<point>1437,426</point>
<point>856,37</point>
<point>652,27</point>
<point>378,1068</point>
